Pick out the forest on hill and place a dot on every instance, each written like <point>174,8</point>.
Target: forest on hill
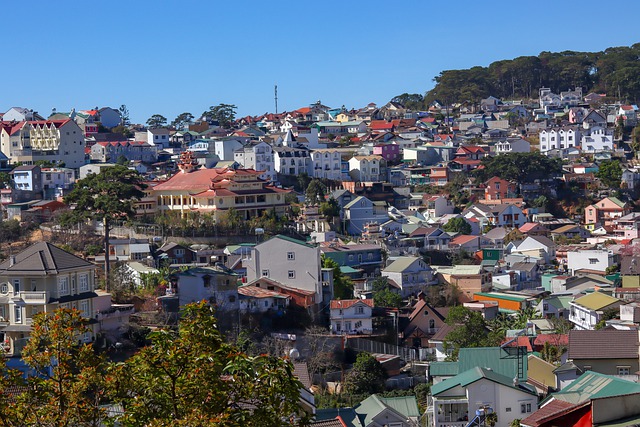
<point>614,72</point>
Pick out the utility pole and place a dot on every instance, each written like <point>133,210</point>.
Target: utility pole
<point>276,97</point>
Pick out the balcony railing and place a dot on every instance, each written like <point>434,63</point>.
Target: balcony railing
<point>34,297</point>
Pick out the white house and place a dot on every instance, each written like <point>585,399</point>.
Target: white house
<point>352,316</point>
<point>224,148</point>
<point>595,259</point>
<point>367,168</point>
<point>291,160</point>
<point>598,139</point>
<point>437,205</point>
<point>586,312</point>
<point>411,274</point>
<point>56,181</point>
<point>538,247</point>
<point>218,286</point>
<point>362,211</point>
<point>258,157</point>
<point>289,262</point>
<point>559,138</point>
<point>512,145</point>
<point>327,163</point>
<point>456,400</point>
<point>158,137</point>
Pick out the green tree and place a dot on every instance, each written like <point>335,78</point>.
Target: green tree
<point>70,381</point>
<point>457,225</point>
<point>470,330</point>
<point>124,116</point>
<point>383,296</point>
<point>191,377</point>
<point>315,191</point>
<point>224,114</point>
<point>518,167</point>
<point>342,285</point>
<point>366,377</point>
<point>122,160</point>
<point>5,180</point>
<point>182,120</point>
<point>157,121</point>
<point>106,197</point>
<point>302,182</point>
<point>330,209</point>
<point>610,173</point>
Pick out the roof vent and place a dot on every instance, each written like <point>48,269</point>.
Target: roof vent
<point>12,260</point>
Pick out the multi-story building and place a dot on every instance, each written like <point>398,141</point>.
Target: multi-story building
<point>109,151</point>
<point>368,168</point>
<point>59,141</point>
<point>559,138</point>
<point>351,316</point>
<point>27,183</point>
<point>410,274</point>
<point>216,285</point>
<point>42,278</point>
<point>291,160</point>
<point>327,163</point>
<point>215,191</point>
<point>286,263</point>
<point>605,212</point>
<point>258,157</point>
<point>56,182</point>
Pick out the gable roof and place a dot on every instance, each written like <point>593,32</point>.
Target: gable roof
<point>373,405</point>
<point>476,374</point>
<point>603,344</point>
<point>401,264</point>
<point>42,259</point>
<point>346,303</point>
<point>593,385</point>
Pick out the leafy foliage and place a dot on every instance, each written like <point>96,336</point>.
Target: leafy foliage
<point>610,173</point>
<point>315,191</point>
<point>457,225</point>
<point>519,167</point>
<point>366,377</point>
<point>157,121</point>
<point>383,296</point>
<point>182,120</point>
<point>224,114</point>
<point>342,285</point>
<point>470,330</point>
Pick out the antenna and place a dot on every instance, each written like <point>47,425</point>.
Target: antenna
<point>276,97</point>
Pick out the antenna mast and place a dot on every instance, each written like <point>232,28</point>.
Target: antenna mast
<point>276,94</point>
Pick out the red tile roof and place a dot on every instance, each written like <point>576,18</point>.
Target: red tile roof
<point>346,303</point>
<point>462,239</point>
<point>203,179</point>
<point>380,125</point>
<point>553,339</point>
<point>548,412</point>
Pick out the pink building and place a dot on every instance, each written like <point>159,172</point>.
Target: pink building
<point>390,152</point>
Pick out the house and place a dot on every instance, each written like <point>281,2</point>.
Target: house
<point>593,260</point>
<point>457,399</point>
<point>57,182</point>
<point>534,229</point>
<point>111,317</point>
<point>368,168</point>
<point>290,263</point>
<point>512,145</point>
<point>109,117</point>
<point>215,191</point>
<point>20,114</point>
<point>27,183</point>
<point>411,274</point>
<point>351,317</point>
<point>570,231</point>
<point>424,322</point>
<point>374,411</point>
<point>436,205</point>
<point>497,189</point>
<point>389,152</point>
<point>592,399</point>
<point>110,151</point>
<point>361,211</point>
<point>42,278</point>
<point>466,243</point>
<point>364,257</point>
<point>291,160</point>
<point>605,212</point>
<point>537,246</point>
<point>559,138</point>
<point>259,157</point>
<point>606,351</point>
<point>158,137</point>
<point>555,306</point>
<point>216,285</point>
<point>327,163</point>
<point>254,299</point>
<point>587,311</point>
<point>439,176</point>
<point>598,139</point>
<point>430,238</point>
<point>469,279</point>
<point>174,253</point>
<point>128,250</point>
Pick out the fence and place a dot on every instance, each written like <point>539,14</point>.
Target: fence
<point>370,346</point>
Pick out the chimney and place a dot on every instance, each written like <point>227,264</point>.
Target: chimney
<point>12,260</point>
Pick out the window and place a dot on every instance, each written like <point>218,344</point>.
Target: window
<point>623,370</point>
<point>359,310</point>
<point>179,252</point>
<point>63,285</point>
<point>291,256</point>
<point>593,260</point>
<point>507,409</point>
<point>84,308</point>
<point>18,312</point>
<point>358,324</point>
<point>16,285</point>
<point>4,288</point>
<point>586,367</point>
<point>292,274</point>
<point>525,408</point>
<point>265,273</point>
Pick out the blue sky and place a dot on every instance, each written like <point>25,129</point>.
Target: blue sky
<point>170,57</point>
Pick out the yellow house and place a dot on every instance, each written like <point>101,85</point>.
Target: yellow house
<point>217,190</point>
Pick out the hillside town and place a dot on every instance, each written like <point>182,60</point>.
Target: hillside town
<point>462,264</point>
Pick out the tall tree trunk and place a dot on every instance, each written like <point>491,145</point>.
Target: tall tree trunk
<point>107,266</point>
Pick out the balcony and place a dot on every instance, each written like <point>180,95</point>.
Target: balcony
<point>34,297</point>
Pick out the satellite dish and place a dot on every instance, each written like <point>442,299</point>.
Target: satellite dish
<point>294,354</point>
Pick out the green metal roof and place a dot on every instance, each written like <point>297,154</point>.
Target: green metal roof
<point>475,374</point>
<point>406,405</point>
<point>593,385</point>
<point>292,240</point>
<point>559,301</point>
<point>345,269</point>
<point>372,406</point>
<point>444,369</point>
<point>348,415</point>
<point>497,359</point>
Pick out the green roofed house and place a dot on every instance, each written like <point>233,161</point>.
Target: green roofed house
<point>592,399</point>
<point>456,400</point>
<point>376,411</point>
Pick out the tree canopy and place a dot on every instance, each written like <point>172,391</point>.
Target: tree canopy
<point>224,114</point>
<point>383,296</point>
<point>342,285</point>
<point>157,121</point>
<point>470,330</point>
<point>182,120</point>
<point>366,377</point>
<point>518,167</point>
<point>614,71</point>
<point>610,173</point>
<point>457,225</point>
